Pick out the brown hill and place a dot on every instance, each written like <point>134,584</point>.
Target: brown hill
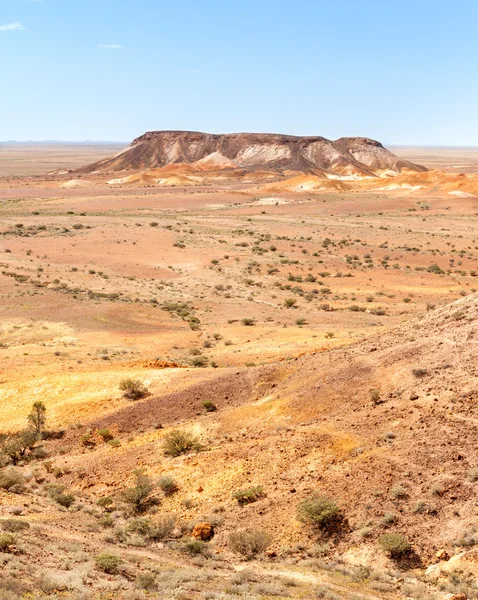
<point>387,427</point>
<point>346,156</point>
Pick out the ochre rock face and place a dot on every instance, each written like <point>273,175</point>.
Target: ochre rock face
<point>203,531</point>
<point>346,156</point>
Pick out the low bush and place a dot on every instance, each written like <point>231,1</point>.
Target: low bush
<point>133,389</point>
<point>162,528</point>
<point>168,485</point>
<point>140,496</point>
<point>209,406</point>
<point>6,540</point>
<point>194,547</point>
<point>320,512</point>
<point>12,480</point>
<point>249,543</point>
<point>108,563</point>
<point>395,544</point>
<point>248,496</point>
<point>14,525</point>
<point>178,442</point>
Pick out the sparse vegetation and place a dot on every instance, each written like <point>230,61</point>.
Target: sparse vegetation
<point>249,495</point>
<point>179,441</point>
<point>140,497</point>
<point>320,512</point>
<point>133,389</point>
<point>395,544</point>
<point>108,563</point>
<point>249,543</point>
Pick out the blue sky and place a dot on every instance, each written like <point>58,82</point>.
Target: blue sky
<point>402,72</point>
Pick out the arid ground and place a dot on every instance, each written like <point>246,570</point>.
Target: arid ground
<point>303,338</point>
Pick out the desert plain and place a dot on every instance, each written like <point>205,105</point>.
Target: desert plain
<point>306,338</point>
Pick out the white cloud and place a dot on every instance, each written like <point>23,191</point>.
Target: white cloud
<point>110,46</point>
<point>12,27</point>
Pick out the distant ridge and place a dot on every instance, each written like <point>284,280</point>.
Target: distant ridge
<point>354,156</point>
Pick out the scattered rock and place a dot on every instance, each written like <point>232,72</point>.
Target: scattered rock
<point>203,531</point>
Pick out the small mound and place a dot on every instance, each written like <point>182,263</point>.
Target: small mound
<point>77,183</point>
<point>215,160</point>
<point>307,183</point>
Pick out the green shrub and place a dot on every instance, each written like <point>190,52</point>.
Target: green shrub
<point>140,496</point>
<point>249,542</point>
<point>108,563</point>
<point>105,502</point>
<point>248,496</point>
<point>12,481</point>
<point>194,547</point>
<point>209,406</point>
<point>141,526</point>
<point>133,389</point>
<point>320,512</point>
<point>178,442</point>
<point>248,322</point>
<point>395,544</point>
<point>105,434</point>
<point>168,485</point>
<point>19,447</point>
<point>6,540</point>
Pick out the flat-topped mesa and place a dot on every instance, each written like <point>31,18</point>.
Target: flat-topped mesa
<point>345,157</point>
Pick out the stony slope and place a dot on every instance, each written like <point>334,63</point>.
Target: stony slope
<point>346,156</point>
<point>400,460</point>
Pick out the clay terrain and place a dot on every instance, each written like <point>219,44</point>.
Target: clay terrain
<point>239,366</point>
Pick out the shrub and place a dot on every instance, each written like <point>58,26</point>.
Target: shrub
<point>133,389</point>
<point>419,373</point>
<point>20,446</point>
<point>248,496</point>
<point>140,497</point>
<point>320,512</point>
<point>146,581</point>
<point>395,544</point>
<point>375,396</point>
<point>105,434</point>
<point>178,442</point>
<point>168,485</point>
<point>6,540</point>
<point>473,474</point>
<point>57,494</point>
<point>199,361</point>
<point>290,302</point>
<point>209,406</point>
<point>14,525</point>
<point>398,493</point>
<point>162,528</point>
<point>141,526</point>
<point>105,502</point>
<point>249,542</point>
<point>248,322</point>
<point>37,417</point>
<point>194,547</point>
<point>12,480</point>
<point>108,563</point>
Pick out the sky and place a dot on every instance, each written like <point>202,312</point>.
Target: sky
<point>401,72</point>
